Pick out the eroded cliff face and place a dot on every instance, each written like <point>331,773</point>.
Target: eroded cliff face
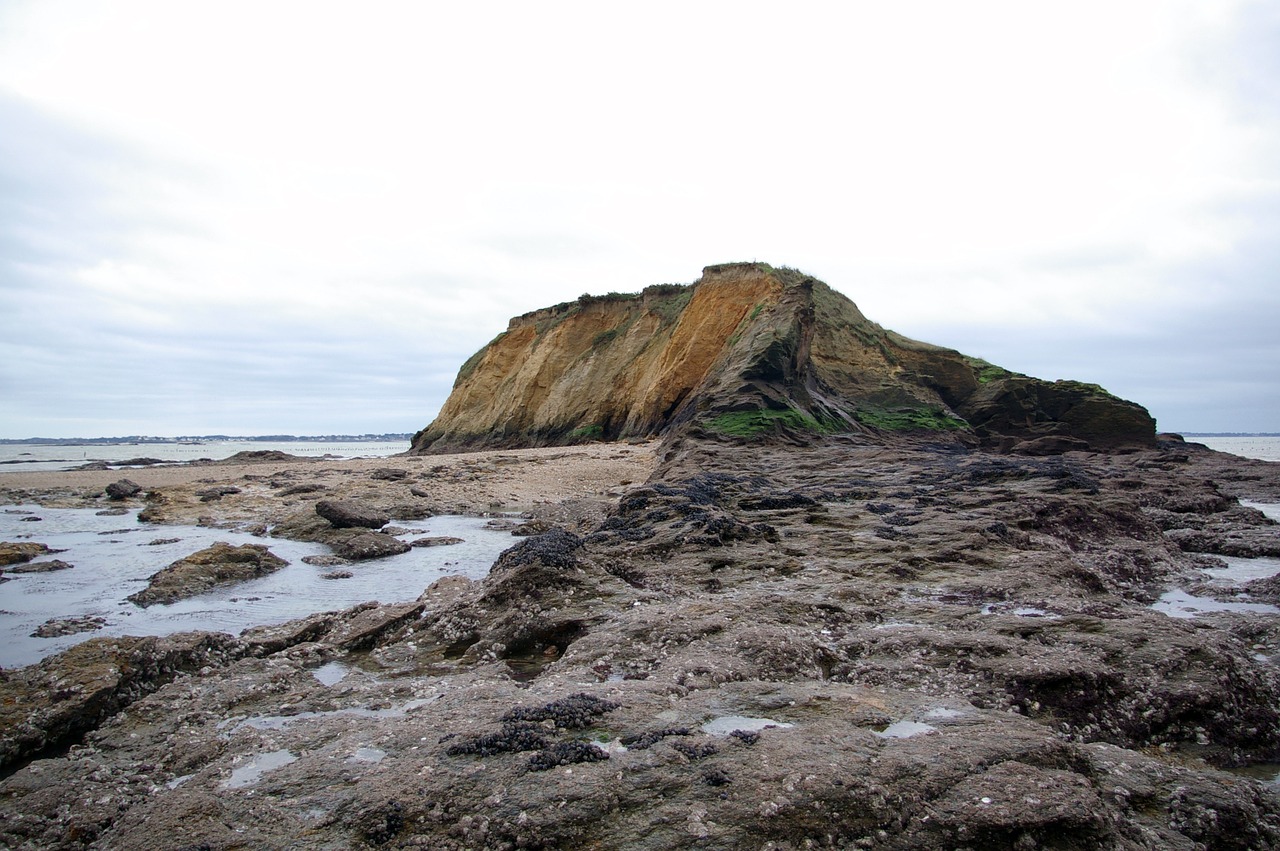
<point>750,350</point>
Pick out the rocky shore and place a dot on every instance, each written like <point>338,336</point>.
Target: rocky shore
<point>710,643</point>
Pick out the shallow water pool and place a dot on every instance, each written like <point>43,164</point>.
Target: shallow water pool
<point>114,556</point>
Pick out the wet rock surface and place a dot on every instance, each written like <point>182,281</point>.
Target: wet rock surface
<point>836,645</point>
<point>364,546</point>
<point>220,564</point>
<point>41,566</point>
<point>20,552</point>
<point>56,627</point>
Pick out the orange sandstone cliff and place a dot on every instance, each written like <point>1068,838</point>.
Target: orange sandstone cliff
<point>748,351</point>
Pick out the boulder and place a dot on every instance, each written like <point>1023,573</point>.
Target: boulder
<point>123,489</point>
<point>369,545</point>
<point>220,564</point>
<point>347,514</point>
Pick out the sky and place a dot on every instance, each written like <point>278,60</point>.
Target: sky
<point>302,217</point>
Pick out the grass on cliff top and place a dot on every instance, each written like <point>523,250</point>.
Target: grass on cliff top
<point>918,419</point>
<point>755,423</point>
<point>987,372</point>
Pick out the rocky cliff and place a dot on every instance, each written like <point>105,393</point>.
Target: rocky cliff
<point>749,350</point>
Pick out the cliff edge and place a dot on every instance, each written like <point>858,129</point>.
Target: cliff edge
<point>748,351</point>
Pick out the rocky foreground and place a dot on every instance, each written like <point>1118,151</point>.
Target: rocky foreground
<point>832,644</point>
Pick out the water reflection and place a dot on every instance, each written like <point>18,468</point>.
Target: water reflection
<point>113,556</point>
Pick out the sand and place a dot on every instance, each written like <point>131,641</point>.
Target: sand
<point>508,480</point>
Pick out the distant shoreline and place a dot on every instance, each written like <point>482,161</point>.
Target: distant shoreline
<point>206,438</point>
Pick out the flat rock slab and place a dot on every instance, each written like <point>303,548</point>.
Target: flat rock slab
<point>436,541</point>
<point>220,564</point>
<point>42,566</point>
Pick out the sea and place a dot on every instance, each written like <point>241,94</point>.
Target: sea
<point>112,556</point>
<point>31,457</point>
<point>1262,446</point>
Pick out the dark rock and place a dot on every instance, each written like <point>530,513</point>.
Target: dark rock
<point>389,474</point>
<point>556,548</point>
<point>436,541</point>
<point>41,566</point>
<point>123,489</point>
<point>220,564</point>
<point>565,753</point>
<point>700,750</point>
<point>646,740</point>
<point>258,456</point>
<point>57,627</point>
<point>369,545</point>
<point>715,777</point>
<point>346,514</point>
<point>514,737</point>
<point>216,493</point>
<point>568,713</point>
<point>337,574</point>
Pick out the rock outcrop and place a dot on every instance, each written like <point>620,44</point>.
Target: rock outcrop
<point>220,564</point>
<point>750,350</point>
<point>763,646</point>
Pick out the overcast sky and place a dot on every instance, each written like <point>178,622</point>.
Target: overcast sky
<point>271,217</point>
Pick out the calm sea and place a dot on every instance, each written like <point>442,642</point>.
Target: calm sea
<point>1249,446</point>
<point>32,457</point>
<point>16,457</point>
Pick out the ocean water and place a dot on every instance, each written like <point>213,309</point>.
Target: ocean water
<point>1264,448</point>
<point>19,457</point>
<point>114,557</point>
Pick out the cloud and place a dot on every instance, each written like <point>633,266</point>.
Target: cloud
<point>304,218</point>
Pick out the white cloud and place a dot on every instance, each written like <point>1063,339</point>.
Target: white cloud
<point>265,177</point>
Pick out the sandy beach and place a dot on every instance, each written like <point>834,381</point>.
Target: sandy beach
<point>475,482</point>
